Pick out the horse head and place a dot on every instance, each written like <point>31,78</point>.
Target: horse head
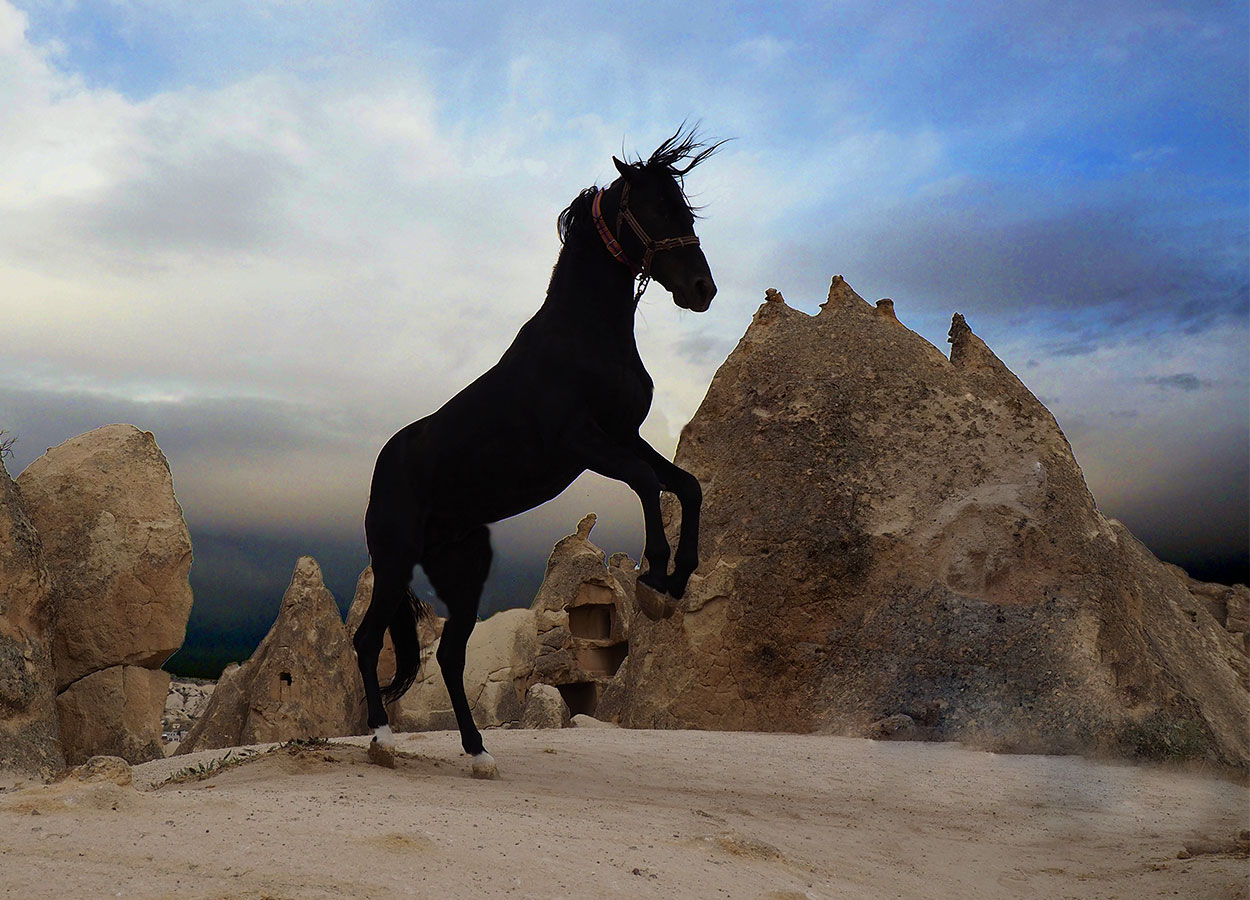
<point>655,222</point>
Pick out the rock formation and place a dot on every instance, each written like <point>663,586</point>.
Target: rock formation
<point>119,554</point>
<point>185,703</point>
<point>572,639</point>
<point>891,533</point>
<point>301,682</point>
<point>545,708</point>
<point>580,608</point>
<point>114,712</point>
<point>29,736</point>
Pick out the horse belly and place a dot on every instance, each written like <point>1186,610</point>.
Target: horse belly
<point>488,487</point>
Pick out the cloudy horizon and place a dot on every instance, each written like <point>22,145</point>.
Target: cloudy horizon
<point>275,233</point>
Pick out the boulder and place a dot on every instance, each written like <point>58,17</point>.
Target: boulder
<point>887,532</point>
<point>103,770</point>
<point>544,708</point>
<point>581,720</point>
<point>114,712</point>
<point>499,662</point>
<point>29,734</point>
<point>119,554</point>
<point>117,547</point>
<point>301,681</point>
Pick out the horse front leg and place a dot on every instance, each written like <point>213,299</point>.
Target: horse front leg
<point>689,494</point>
<point>457,569</point>
<point>624,463</point>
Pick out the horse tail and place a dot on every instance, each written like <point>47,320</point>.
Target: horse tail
<point>403,629</point>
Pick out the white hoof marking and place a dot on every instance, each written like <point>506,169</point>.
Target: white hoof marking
<point>484,766</point>
<point>385,737</point>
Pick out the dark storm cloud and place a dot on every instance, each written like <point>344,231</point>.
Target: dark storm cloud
<point>1194,511</point>
<point>1184,381</point>
<point>42,418</point>
<point>1095,268</point>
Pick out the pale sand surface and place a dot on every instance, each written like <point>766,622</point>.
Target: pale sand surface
<point>616,813</point>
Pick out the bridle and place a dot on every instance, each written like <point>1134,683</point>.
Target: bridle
<point>650,245</point>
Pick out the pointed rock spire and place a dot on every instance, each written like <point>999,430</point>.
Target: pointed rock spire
<point>911,536</point>
<point>301,682</point>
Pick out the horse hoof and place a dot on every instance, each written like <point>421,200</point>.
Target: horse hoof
<point>380,755</point>
<point>484,766</point>
<point>653,606</point>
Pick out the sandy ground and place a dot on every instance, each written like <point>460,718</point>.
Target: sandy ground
<point>604,812</point>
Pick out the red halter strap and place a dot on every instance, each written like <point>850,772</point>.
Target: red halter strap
<point>606,236</point>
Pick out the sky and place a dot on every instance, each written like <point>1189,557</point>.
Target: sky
<point>273,233</point>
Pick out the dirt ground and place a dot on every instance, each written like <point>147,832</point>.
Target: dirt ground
<point>605,812</point>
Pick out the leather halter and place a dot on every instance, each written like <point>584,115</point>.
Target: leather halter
<point>649,244</point>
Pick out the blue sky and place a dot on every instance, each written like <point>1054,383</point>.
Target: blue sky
<point>275,232</point>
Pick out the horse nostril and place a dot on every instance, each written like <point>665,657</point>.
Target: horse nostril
<point>704,290</point>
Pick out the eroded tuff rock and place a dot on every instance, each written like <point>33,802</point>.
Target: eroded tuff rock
<point>29,735</point>
<point>114,712</point>
<point>545,708</point>
<point>888,532</point>
<point>184,704</point>
<point>583,634</point>
<point>119,554</point>
<point>572,639</point>
<point>498,664</point>
<point>117,547</point>
<point>299,683</point>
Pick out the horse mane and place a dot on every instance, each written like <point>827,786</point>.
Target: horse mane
<point>684,146</point>
<point>576,218</point>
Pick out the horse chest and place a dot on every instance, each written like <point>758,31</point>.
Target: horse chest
<point>624,395</point>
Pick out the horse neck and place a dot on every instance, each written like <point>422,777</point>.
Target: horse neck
<point>590,288</point>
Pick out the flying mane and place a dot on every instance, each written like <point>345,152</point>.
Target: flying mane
<point>685,146</point>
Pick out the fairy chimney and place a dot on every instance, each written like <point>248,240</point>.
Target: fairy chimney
<point>299,683</point>
<point>889,532</point>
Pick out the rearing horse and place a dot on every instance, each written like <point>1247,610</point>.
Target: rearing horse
<point>567,396</point>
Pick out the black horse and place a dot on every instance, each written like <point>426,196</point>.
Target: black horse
<point>567,396</point>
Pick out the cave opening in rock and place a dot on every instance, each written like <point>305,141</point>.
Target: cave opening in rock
<point>582,698</point>
<point>602,660</point>
<point>594,620</point>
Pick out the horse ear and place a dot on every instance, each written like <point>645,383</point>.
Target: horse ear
<point>626,170</point>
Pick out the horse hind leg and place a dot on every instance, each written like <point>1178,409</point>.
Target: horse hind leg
<point>390,590</point>
<point>393,553</point>
<point>457,570</point>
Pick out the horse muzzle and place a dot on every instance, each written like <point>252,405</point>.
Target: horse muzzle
<point>697,295</point>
